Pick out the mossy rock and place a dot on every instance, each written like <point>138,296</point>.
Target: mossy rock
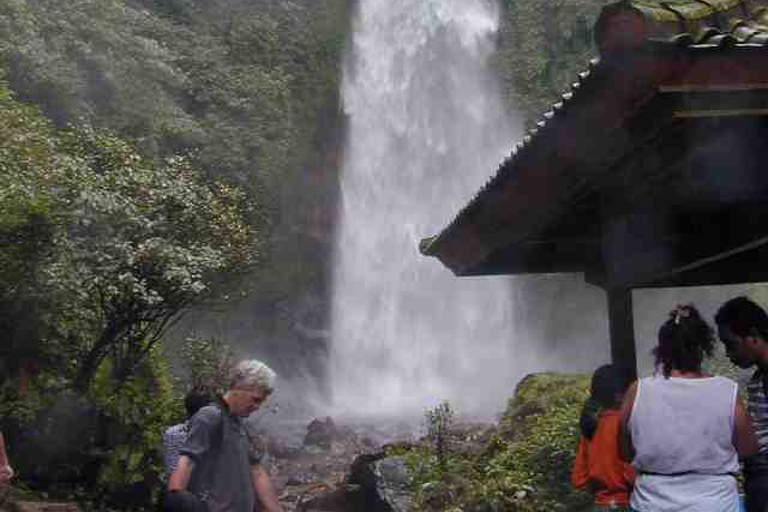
<point>539,394</point>
<point>528,464</point>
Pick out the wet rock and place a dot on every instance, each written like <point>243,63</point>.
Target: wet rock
<point>393,483</point>
<point>384,482</point>
<point>283,450</point>
<point>324,433</point>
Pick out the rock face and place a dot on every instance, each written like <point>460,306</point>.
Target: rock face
<point>393,483</point>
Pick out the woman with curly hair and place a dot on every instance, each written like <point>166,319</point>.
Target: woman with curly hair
<point>684,431</point>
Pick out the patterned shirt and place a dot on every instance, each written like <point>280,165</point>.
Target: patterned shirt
<point>173,439</point>
<point>758,410</point>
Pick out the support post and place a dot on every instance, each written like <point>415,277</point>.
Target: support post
<point>622,330</point>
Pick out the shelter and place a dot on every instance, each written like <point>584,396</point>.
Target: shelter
<point>649,172</point>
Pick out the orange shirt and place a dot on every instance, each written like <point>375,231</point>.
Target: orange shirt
<point>598,462</point>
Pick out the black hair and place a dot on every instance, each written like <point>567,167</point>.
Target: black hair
<point>684,340</point>
<point>608,381</point>
<point>196,399</point>
<point>741,315</point>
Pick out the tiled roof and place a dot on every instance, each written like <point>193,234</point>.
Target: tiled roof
<point>506,169</point>
<point>629,24</point>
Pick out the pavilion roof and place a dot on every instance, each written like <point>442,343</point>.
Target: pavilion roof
<point>663,68</point>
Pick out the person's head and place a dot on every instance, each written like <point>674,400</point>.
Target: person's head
<point>742,327</point>
<point>609,384</point>
<point>196,399</point>
<point>251,383</point>
<point>684,340</point>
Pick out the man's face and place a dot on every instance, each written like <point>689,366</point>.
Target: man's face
<point>245,401</point>
<point>738,349</point>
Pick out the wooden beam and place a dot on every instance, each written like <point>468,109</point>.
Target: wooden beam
<point>622,330</point>
<point>539,257</point>
<point>740,265</point>
<point>717,101</point>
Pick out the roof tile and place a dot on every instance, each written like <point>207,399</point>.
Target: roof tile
<point>628,24</point>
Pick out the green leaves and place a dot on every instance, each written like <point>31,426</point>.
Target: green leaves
<point>120,246</point>
<point>523,467</point>
<point>208,362</point>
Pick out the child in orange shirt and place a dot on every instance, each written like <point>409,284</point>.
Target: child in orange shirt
<point>599,467</point>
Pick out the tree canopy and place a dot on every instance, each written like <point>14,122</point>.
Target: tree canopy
<point>119,247</point>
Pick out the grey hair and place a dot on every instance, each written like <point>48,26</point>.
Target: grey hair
<point>253,373</point>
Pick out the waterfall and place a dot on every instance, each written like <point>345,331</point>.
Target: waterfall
<point>427,128</point>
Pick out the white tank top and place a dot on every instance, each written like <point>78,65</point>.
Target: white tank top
<point>682,432</point>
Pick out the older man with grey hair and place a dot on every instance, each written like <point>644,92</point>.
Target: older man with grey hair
<point>218,469</point>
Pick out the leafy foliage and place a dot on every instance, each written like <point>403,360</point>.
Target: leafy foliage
<point>106,249</point>
<point>136,414</point>
<point>530,460</point>
<point>439,421</point>
<point>208,362</point>
<point>542,48</point>
<point>247,91</point>
<point>524,467</point>
<point>128,244</point>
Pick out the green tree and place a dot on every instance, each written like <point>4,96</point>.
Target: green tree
<point>142,245</point>
<point>27,219</point>
<point>119,246</point>
<point>208,362</point>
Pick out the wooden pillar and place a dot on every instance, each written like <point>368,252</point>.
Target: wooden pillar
<point>622,330</point>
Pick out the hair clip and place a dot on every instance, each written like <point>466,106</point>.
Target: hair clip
<point>681,312</point>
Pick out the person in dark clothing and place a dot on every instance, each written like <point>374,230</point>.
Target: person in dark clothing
<point>175,436</point>
<point>742,326</point>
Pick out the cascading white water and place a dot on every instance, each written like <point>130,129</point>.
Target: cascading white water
<point>426,128</point>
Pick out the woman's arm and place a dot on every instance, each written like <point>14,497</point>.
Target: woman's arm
<point>744,439</point>
<point>625,439</point>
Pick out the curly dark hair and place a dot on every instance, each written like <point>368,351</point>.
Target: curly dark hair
<point>684,340</point>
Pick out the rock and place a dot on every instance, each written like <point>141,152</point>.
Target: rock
<point>325,433</point>
<point>38,506</point>
<point>385,484</point>
<point>321,433</point>
<point>282,450</point>
<point>393,483</point>
<point>323,499</point>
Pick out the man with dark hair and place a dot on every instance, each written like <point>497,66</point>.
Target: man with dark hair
<point>742,327</point>
<point>174,437</point>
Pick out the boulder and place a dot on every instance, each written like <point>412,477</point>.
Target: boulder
<point>393,483</point>
<point>383,484</point>
<point>322,433</point>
